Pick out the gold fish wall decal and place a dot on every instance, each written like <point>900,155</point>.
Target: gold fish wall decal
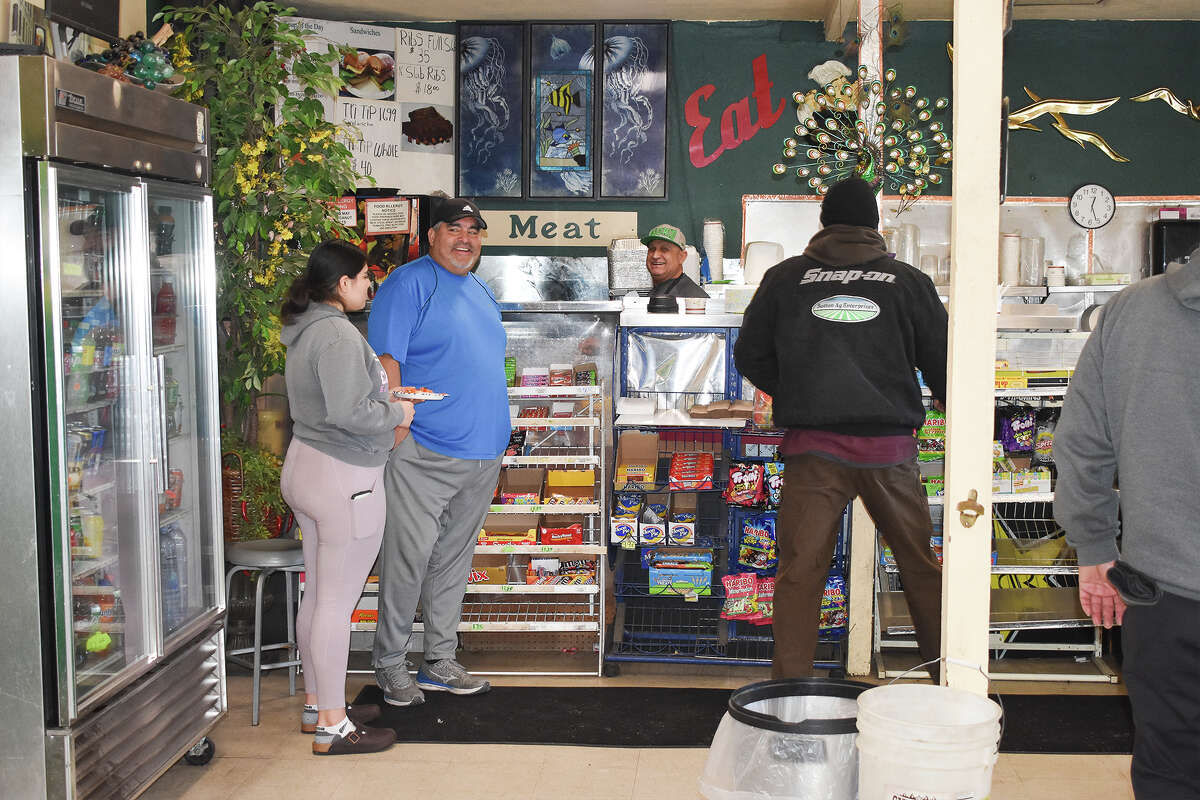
<point>1056,108</point>
<point>1188,108</point>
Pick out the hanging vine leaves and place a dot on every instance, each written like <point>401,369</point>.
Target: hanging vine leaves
<point>277,165</point>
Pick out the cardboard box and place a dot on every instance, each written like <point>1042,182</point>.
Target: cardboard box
<point>654,532</point>
<point>1031,480</point>
<point>561,529</point>
<point>682,533</point>
<point>522,486</point>
<point>637,460</point>
<point>367,609</point>
<point>570,486</point>
<point>509,529</point>
<point>489,575</point>
<point>675,580</point>
<point>692,470</point>
<point>622,529</point>
<point>1002,482</point>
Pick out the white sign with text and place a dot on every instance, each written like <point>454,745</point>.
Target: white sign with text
<point>558,228</point>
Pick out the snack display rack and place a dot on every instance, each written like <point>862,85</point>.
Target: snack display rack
<point>1034,572</point>
<point>666,374</point>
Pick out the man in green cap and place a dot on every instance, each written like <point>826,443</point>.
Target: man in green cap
<point>664,261</point>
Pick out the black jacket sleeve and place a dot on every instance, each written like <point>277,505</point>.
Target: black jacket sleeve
<point>754,352</point>
<point>931,323</point>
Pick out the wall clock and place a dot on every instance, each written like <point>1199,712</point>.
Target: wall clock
<point>1092,206</point>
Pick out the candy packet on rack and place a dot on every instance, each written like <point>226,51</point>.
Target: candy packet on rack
<point>627,506</point>
<point>765,601</point>
<point>1016,429</point>
<point>931,438</point>
<point>773,478</point>
<point>833,603</point>
<point>745,487</point>
<point>756,542</point>
<point>1045,424</point>
<point>740,593</point>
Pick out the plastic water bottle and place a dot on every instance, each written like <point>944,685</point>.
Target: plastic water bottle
<point>172,553</point>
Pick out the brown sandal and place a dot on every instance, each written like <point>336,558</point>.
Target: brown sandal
<point>358,741</point>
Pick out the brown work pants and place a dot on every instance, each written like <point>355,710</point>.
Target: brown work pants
<point>815,491</point>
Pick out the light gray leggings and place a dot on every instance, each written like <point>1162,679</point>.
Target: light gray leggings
<point>340,509</point>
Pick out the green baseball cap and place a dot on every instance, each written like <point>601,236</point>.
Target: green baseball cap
<point>668,233</point>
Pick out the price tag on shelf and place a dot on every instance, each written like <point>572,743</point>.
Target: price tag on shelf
<point>547,548</point>
<point>508,548</point>
<point>476,626</point>
<point>508,587</point>
<point>690,596</point>
<point>628,543</point>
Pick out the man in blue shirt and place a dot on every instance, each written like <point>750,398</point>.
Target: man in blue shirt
<point>434,324</point>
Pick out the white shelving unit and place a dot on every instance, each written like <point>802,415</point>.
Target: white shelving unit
<point>512,608</point>
<point>1014,608</point>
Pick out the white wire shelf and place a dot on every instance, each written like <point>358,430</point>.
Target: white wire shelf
<point>1006,497</point>
<point>521,588</point>
<point>555,423</point>
<point>544,508</point>
<point>518,616</point>
<point>1108,287</point>
<point>538,549</point>
<point>83,408</point>
<point>514,588</point>
<point>522,461</point>
<point>553,391</point>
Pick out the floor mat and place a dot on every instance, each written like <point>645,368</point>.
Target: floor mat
<point>655,717</point>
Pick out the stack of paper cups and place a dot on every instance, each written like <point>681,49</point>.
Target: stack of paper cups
<point>714,247</point>
<point>1010,259</point>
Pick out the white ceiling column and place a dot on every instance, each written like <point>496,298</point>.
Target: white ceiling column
<point>862,550</point>
<point>970,401</point>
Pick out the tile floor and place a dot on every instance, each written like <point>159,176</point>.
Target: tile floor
<point>275,759</point>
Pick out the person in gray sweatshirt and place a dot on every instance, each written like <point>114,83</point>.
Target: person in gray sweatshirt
<point>345,424</point>
<point>1133,413</point>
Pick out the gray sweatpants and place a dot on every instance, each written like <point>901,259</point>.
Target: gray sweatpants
<point>435,507</point>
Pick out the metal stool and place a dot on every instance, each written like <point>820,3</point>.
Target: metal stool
<point>268,556</point>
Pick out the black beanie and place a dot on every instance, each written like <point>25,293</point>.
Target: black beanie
<point>850,202</point>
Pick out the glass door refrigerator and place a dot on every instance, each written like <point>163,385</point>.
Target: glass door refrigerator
<point>113,652</point>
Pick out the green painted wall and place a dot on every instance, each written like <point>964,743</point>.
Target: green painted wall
<point>1070,60</point>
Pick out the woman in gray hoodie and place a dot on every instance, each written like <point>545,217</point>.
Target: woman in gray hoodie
<point>345,424</point>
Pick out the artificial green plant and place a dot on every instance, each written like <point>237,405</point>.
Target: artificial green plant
<point>277,164</point>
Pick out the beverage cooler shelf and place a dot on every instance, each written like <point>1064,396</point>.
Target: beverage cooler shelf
<point>83,626</point>
<point>168,348</point>
<point>83,567</point>
<point>83,408</point>
<point>106,668</point>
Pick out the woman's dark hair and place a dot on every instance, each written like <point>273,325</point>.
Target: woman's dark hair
<point>327,263</point>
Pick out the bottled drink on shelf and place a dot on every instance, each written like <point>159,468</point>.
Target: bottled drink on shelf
<point>172,554</point>
<point>164,313</point>
<point>164,232</point>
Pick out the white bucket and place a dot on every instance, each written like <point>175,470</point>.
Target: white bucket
<point>917,740</point>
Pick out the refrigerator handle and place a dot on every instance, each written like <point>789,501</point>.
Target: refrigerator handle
<point>160,380</point>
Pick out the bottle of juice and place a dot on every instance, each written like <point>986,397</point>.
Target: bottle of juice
<point>164,314</point>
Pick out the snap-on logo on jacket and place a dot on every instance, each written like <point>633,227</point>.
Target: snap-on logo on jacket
<point>845,276</point>
<point>845,308</point>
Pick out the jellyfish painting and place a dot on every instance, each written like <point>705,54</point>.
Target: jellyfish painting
<point>481,62</point>
<point>559,48</point>
<point>625,61</point>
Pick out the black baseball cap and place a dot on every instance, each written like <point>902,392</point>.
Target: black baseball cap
<point>452,209</point>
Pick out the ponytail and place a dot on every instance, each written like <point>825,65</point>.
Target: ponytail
<point>327,263</point>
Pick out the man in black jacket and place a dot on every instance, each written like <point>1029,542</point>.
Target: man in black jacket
<point>833,336</point>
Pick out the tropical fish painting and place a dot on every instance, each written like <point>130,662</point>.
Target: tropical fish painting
<point>563,121</point>
<point>562,98</point>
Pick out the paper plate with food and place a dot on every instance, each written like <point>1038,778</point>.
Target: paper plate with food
<point>369,74</point>
<point>417,393</point>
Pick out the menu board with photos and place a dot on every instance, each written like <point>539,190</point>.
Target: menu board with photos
<point>399,96</point>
